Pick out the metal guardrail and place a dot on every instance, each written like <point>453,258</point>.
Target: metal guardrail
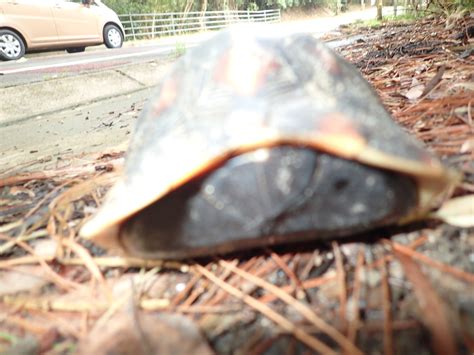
<point>142,26</point>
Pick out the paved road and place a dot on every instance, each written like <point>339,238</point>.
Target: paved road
<point>58,105</point>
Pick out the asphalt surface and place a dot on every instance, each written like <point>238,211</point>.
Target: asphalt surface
<point>57,106</point>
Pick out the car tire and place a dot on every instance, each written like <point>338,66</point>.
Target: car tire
<point>75,49</point>
<point>12,46</point>
<point>113,37</point>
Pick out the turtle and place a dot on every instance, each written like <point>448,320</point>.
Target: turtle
<point>256,138</point>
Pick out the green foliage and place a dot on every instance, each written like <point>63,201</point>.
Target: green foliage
<point>449,6</point>
<point>149,6</point>
<point>180,49</point>
<point>252,6</point>
<point>144,6</point>
<point>288,4</point>
<point>374,23</point>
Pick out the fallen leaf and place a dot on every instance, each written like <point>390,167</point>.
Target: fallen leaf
<point>21,279</point>
<point>434,81</point>
<point>467,146</point>
<point>145,333</point>
<point>458,211</point>
<point>415,91</point>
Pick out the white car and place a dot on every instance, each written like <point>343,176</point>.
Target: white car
<point>27,25</point>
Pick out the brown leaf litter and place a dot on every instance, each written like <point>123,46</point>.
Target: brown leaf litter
<point>404,291</point>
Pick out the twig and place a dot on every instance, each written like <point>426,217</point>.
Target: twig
<point>341,278</point>
<point>24,238</point>
<point>300,292</point>
<point>304,310</point>
<point>50,174</point>
<point>303,336</point>
<point>460,274</point>
<point>387,319</point>
<point>127,262</point>
<point>432,307</point>
<point>86,257</point>
<point>307,284</point>
<point>53,276</point>
<point>354,323</point>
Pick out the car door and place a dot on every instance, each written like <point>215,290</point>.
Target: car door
<point>33,19</point>
<point>76,23</point>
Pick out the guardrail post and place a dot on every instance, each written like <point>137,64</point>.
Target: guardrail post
<point>133,28</point>
<point>173,25</point>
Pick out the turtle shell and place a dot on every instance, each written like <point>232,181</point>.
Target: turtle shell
<point>286,110</point>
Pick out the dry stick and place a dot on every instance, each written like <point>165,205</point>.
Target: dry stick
<point>84,325</point>
<point>431,305</point>
<point>181,295</point>
<point>67,172</point>
<point>119,261</point>
<point>307,284</point>
<point>253,262</point>
<point>58,305</point>
<point>300,293</point>
<point>341,277</point>
<point>63,325</point>
<point>309,265</point>
<point>208,309</point>
<point>213,295</point>
<point>9,226</point>
<point>22,260</point>
<point>48,305</point>
<point>413,245</point>
<point>55,277</point>
<point>354,324</point>
<point>46,197</point>
<point>26,324</point>
<point>463,275</point>
<point>86,257</point>
<point>299,306</point>
<point>24,238</point>
<point>113,261</point>
<point>435,81</point>
<point>387,319</point>
<point>303,336</point>
<point>197,292</point>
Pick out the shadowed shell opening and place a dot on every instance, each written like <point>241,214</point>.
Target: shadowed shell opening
<point>269,196</point>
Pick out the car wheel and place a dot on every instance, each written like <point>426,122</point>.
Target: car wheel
<point>75,49</point>
<point>113,37</point>
<point>12,46</point>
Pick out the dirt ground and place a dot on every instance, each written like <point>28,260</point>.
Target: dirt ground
<point>397,290</point>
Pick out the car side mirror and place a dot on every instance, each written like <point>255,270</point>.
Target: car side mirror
<point>86,2</point>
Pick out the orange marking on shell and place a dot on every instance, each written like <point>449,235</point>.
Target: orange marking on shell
<point>244,70</point>
<point>338,123</point>
<point>168,94</point>
<point>341,134</point>
<point>429,160</point>
<point>331,63</point>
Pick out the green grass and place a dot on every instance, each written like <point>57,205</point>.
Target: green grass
<point>373,23</point>
<point>180,49</point>
<point>8,337</point>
